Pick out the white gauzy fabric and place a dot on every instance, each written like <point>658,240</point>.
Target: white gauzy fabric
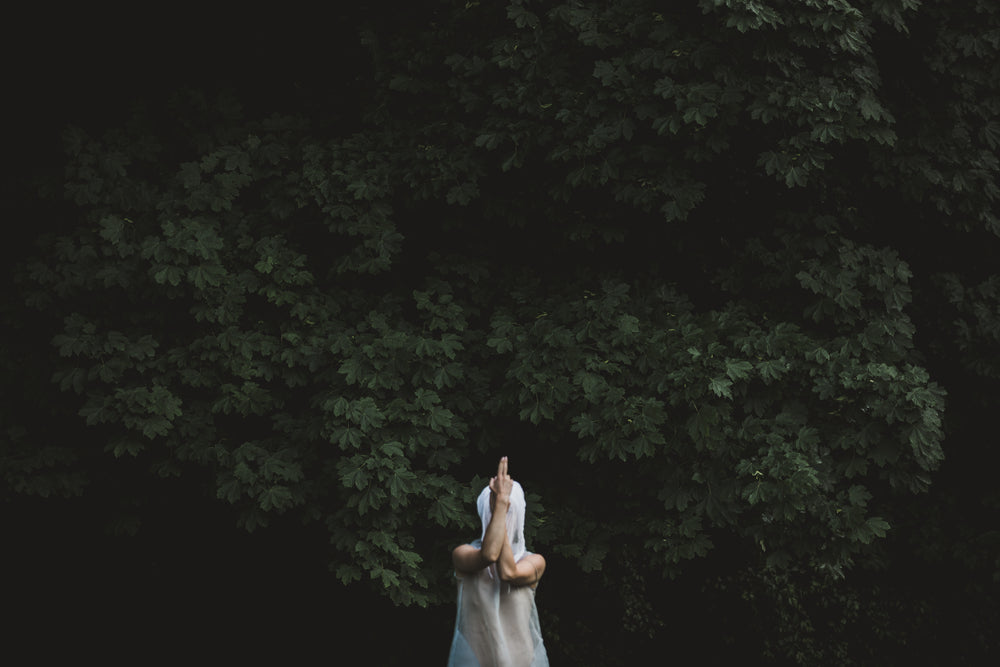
<point>515,519</point>
<point>497,624</point>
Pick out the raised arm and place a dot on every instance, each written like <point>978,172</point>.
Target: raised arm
<point>468,558</point>
<point>528,570</point>
<point>496,532</point>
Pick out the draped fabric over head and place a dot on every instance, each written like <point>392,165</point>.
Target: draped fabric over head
<point>497,624</point>
<point>515,519</point>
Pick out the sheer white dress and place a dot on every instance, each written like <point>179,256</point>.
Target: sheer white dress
<point>497,624</point>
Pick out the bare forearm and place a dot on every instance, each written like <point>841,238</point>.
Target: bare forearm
<point>506,564</point>
<point>526,572</point>
<point>496,533</point>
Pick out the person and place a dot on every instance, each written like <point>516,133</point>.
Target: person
<point>497,622</point>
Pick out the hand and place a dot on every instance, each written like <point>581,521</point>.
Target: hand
<point>502,484</point>
<point>495,536</point>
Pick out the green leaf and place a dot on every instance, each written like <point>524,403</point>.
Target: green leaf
<point>859,496</point>
<point>112,228</point>
<point>878,526</point>
<point>462,194</point>
<point>352,475</point>
<point>123,447</point>
<point>347,573</point>
<point>489,141</point>
<point>721,387</point>
<point>445,510</point>
<point>738,370</point>
<point>440,418</point>
<point>275,498</point>
<point>501,345</point>
<point>871,108</point>
<point>392,449</point>
<point>583,425</point>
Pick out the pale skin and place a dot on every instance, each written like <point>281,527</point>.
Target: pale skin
<point>496,546</point>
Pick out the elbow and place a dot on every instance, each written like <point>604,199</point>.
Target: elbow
<point>489,557</point>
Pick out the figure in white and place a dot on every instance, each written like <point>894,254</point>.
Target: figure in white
<point>497,624</point>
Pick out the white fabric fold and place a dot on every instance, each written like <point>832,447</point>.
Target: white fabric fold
<point>497,624</point>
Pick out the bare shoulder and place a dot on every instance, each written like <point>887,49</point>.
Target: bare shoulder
<point>467,558</point>
<point>537,564</point>
<point>538,561</point>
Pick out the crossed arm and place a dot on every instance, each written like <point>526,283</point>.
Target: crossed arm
<point>496,547</point>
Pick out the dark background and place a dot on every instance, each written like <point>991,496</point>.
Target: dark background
<point>191,581</point>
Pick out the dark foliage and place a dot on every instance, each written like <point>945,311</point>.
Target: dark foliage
<point>718,276</point>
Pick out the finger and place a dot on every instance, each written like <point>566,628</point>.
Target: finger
<point>503,462</point>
